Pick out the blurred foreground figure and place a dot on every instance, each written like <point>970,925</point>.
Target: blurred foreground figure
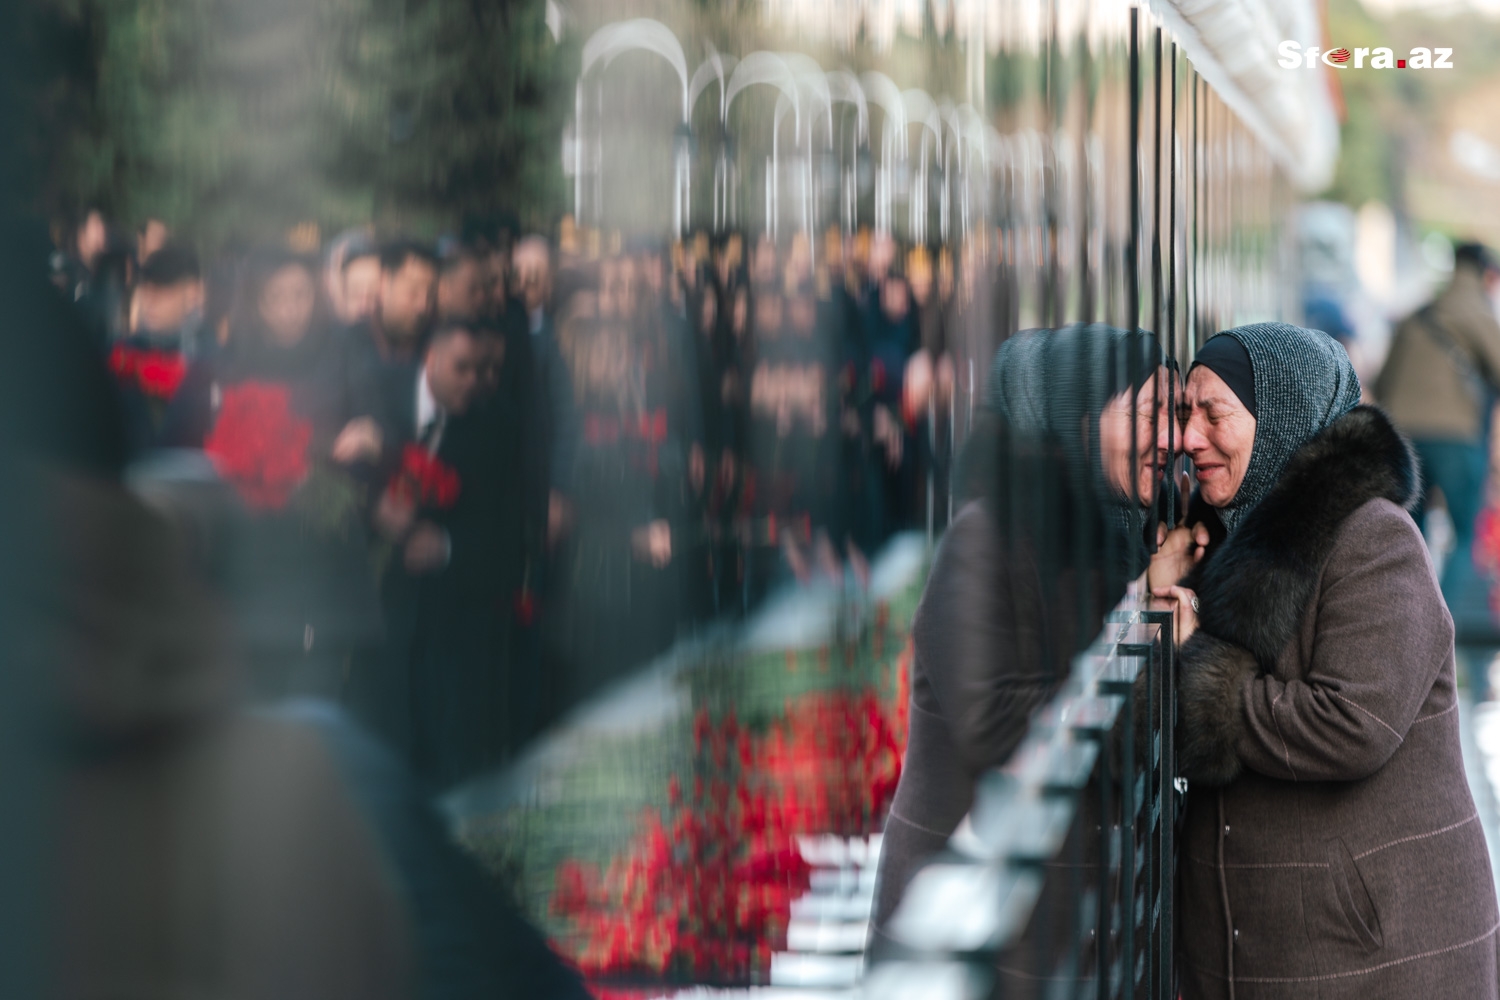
<point>179,845</point>
<point>1067,468</point>
<point>1437,385</point>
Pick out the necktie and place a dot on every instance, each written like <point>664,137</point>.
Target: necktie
<point>432,434</point>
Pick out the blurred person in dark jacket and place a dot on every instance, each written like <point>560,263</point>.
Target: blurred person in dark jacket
<point>1438,384</point>
<point>78,253</point>
<point>461,288</point>
<point>304,592</point>
<point>152,235</point>
<point>434,689</point>
<point>167,305</point>
<point>405,305</point>
<point>167,333</point>
<point>352,276</point>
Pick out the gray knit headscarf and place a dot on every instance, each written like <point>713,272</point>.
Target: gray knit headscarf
<point>1304,381</point>
<point>1047,381</point>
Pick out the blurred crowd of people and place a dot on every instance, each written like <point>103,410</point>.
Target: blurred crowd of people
<point>484,477</point>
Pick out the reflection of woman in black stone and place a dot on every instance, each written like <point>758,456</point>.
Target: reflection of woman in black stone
<point>1025,575</point>
<point>616,566</point>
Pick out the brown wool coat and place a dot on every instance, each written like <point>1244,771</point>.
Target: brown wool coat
<point>1331,848</point>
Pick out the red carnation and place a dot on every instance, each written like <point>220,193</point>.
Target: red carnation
<point>158,373</point>
<point>259,445</point>
<point>161,373</point>
<point>425,479</point>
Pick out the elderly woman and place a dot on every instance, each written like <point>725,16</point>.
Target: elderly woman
<point>1331,847</point>
<point>1067,467</point>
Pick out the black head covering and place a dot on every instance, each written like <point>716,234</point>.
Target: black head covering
<point>1227,358</point>
<point>1303,381</point>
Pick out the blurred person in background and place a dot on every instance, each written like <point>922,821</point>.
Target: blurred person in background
<point>166,334</point>
<point>99,272</point>
<point>1330,841</point>
<point>549,415</point>
<point>615,562</point>
<point>78,256</point>
<point>1069,440</point>
<point>405,304</point>
<point>351,275</point>
<point>166,308</point>
<point>152,236</point>
<point>361,291</point>
<point>288,419</point>
<point>549,388</point>
<point>928,383</point>
<point>1438,385</point>
<point>491,236</point>
<point>461,292</point>
<point>433,690</point>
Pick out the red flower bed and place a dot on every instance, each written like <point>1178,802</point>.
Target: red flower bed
<point>425,479</point>
<point>259,445</point>
<point>708,890</point>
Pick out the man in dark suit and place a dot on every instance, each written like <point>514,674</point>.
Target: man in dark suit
<point>434,692</point>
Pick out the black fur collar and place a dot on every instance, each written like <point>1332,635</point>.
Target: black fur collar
<point>1254,586</point>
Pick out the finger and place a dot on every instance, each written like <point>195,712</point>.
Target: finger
<point>1161,533</point>
<point>1186,487</point>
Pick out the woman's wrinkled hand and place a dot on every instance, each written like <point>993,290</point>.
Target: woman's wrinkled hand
<point>1178,550</point>
<point>1182,601</point>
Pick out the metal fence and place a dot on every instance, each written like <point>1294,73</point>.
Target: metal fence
<point>1060,883</point>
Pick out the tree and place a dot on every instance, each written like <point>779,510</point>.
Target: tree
<point>236,120</point>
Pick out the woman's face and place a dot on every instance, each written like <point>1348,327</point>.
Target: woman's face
<point>1135,437</point>
<point>286,304</point>
<point>1219,436</point>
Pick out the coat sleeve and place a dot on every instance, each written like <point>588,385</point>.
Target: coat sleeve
<point>1383,635</point>
<point>976,643</point>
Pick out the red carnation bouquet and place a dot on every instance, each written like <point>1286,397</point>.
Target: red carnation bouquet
<point>259,445</point>
<point>424,479</point>
<point>158,374</point>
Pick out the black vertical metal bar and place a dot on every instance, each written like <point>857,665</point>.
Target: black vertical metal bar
<point>1132,249</point>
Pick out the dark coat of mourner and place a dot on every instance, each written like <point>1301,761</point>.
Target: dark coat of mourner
<point>435,691</point>
<point>1331,848</point>
<point>304,598</point>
